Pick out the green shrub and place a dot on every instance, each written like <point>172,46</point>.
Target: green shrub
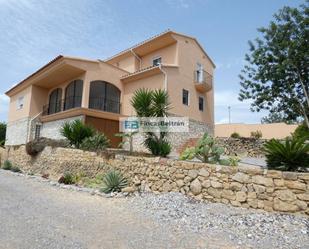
<point>113,181</point>
<point>7,165</point>
<point>289,155</point>
<point>158,147</point>
<point>256,134</point>
<point>205,150</point>
<point>34,147</point>
<point>235,135</point>
<point>76,132</point>
<point>188,154</point>
<point>233,161</point>
<point>15,168</point>
<point>302,131</point>
<point>95,143</point>
<point>67,178</point>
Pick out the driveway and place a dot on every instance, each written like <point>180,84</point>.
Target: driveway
<point>34,214</point>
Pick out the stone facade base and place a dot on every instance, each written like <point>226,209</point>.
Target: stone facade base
<point>243,186</point>
<point>178,140</point>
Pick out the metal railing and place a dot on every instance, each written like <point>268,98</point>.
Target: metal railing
<point>62,105</point>
<point>201,76</point>
<point>102,104</point>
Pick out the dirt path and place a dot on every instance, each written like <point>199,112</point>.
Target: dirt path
<point>36,215</point>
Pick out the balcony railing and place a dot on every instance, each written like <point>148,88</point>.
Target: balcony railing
<point>102,104</point>
<point>203,80</point>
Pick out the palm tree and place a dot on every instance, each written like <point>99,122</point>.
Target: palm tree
<point>153,103</point>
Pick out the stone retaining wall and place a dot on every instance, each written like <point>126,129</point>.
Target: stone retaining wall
<point>243,186</point>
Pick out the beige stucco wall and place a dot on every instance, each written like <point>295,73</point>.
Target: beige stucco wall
<point>14,112</point>
<point>167,54</point>
<point>189,54</point>
<point>152,82</point>
<point>276,130</point>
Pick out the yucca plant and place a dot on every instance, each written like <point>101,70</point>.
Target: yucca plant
<point>97,142</point>
<point>153,103</point>
<point>289,155</point>
<point>76,132</point>
<point>113,181</point>
<point>127,137</point>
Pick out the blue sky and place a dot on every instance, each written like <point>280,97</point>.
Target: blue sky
<point>35,31</point>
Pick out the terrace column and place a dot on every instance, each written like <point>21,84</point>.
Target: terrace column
<point>86,87</point>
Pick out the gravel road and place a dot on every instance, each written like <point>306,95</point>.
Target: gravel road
<point>36,213</point>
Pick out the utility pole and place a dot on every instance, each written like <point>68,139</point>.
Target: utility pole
<point>229,108</point>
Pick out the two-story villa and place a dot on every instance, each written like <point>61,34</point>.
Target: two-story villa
<point>99,91</point>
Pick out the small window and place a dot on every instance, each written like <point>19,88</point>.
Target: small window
<point>37,132</point>
<point>185,97</point>
<point>201,103</point>
<point>156,61</point>
<point>20,102</point>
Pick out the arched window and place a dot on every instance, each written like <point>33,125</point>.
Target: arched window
<point>104,96</point>
<point>55,101</point>
<point>73,95</point>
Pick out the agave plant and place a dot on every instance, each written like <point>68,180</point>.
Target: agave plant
<point>76,132</point>
<point>289,155</point>
<point>113,181</point>
<point>153,103</point>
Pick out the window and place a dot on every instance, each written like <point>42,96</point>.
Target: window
<point>185,97</point>
<point>20,102</point>
<point>55,101</point>
<point>156,61</point>
<point>37,132</point>
<point>201,103</point>
<point>104,96</point>
<point>73,95</point>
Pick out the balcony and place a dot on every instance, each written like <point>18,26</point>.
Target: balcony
<point>103,104</point>
<point>203,81</point>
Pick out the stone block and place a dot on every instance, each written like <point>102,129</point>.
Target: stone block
<point>283,206</point>
<point>241,177</point>
<point>295,185</point>
<point>241,196</point>
<point>216,184</point>
<point>261,180</point>
<point>196,187</point>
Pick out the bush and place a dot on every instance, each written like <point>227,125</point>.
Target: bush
<point>113,181</point>
<point>235,135</point>
<point>34,147</point>
<point>15,169</point>
<point>37,145</point>
<point>95,143</point>
<point>7,165</point>
<point>76,132</point>
<point>158,147</point>
<point>188,154</point>
<point>67,178</point>
<point>256,134</point>
<point>302,131</point>
<point>290,155</point>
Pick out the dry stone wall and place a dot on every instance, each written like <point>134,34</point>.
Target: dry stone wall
<point>243,186</point>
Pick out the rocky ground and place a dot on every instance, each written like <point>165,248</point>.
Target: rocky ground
<point>44,214</point>
<point>248,228</point>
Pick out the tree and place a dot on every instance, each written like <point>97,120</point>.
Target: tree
<point>276,117</point>
<point>276,76</point>
<point>153,103</point>
<point>2,133</point>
